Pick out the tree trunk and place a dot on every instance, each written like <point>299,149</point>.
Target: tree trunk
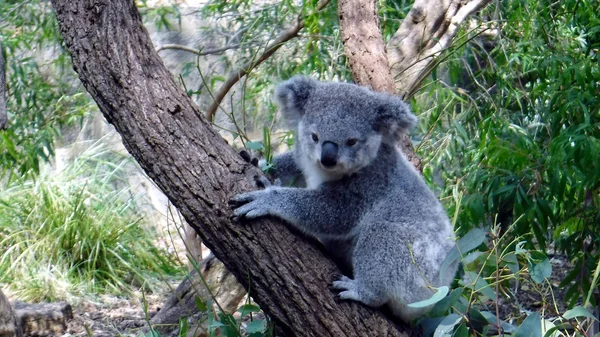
<point>368,60</point>
<point>199,172</point>
<point>425,33</point>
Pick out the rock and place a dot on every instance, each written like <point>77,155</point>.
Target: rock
<point>8,323</point>
<point>42,319</point>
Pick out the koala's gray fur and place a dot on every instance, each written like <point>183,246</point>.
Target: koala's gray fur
<point>363,200</point>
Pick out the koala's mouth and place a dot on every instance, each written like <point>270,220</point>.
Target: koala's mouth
<point>338,168</point>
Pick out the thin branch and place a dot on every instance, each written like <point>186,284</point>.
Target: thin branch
<point>246,68</point>
<point>199,52</point>
<point>3,114</point>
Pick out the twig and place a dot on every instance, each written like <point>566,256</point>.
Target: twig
<point>246,68</point>
<point>199,52</point>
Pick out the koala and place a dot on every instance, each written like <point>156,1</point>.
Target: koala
<point>363,200</point>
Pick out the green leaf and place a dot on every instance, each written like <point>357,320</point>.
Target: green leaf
<point>470,241</point>
<point>461,331</point>
<point>578,311</point>
<point>447,325</point>
<point>257,146</point>
<point>200,304</point>
<point>438,296</point>
<point>539,267</point>
<point>444,305</point>
<point>478,284</point>
<point>258,325</point>
<point>512,263</point>
<point>248,308</point>
<point>531,326</point>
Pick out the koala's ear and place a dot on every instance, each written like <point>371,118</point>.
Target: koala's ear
<point>292,95</point>
<point>393,117</point>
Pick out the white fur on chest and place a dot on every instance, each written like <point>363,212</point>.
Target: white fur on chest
<point>314,174</point>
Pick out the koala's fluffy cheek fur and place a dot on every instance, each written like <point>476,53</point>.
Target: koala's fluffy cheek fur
<point>353,159</point>
<point>308,147</point>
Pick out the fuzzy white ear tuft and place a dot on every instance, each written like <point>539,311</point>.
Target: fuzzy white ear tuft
<point>292,95</point>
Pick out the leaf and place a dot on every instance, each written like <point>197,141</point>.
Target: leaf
<point>257,146</point>
<point>531,326</point>
<point>478,284</point>
<point>491,318</point>
<point>539,267</point>
<point>200,304</point>
<point>461,331</point>
<point>512,263</point>
<point>442,306</point>
<point>258,325</point>
<point>578,311</point>
<point>470,241</point>
<point>248,308</point>
<point>447,325</point>
<point>438,296</point>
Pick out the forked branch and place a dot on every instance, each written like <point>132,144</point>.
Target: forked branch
<point>287,35</point>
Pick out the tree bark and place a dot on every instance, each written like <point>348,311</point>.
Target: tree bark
<point>199,172</point>
<point>426,32</point>
<point>367,57</point>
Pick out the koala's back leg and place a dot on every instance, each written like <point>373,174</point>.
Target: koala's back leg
<point>356,291</point>
<point>383,265</point>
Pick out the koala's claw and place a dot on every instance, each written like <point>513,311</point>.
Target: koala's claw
<point>252,205</point>
<point>248,158</point>
<point>264,182</point>
<point>343,283</point>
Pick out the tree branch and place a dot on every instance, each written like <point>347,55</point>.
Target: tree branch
<point>289,34</point>
<point>196,169</point>
<point>426,32</point>
<point>199,52</point>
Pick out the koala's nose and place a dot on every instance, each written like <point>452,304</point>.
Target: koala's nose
<point>329,151</point>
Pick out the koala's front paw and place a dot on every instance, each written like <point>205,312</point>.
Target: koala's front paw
<point>252,205</point>
<point>264,182</point>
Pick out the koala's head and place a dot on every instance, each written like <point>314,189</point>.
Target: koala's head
<point>340,126</point>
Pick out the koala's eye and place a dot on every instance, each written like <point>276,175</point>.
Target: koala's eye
<point>351,141</point>
<point>314,137</point>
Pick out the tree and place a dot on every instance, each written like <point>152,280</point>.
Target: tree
<point>175,144</point>
<point>199,172</point>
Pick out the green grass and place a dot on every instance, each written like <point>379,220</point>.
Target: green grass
<point>77,232</point>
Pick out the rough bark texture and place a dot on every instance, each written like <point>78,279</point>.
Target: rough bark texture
<point>199,172</point>
<point>427,30</point>
<point>43,319</point>
<point>8,322</point>
<point>367,57</point>
<point>3,116</point>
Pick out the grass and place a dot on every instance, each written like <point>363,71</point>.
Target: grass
<point>78,231</point>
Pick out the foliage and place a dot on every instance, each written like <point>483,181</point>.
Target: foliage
<point>77,231</point>
<point>515,130</point>
<point>43,94</point>
<point>495,275</point>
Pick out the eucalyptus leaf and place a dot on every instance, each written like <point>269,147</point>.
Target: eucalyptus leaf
<point>578,311</point>
<point>438,296</point>
<point>531,326</point>
<point>447,325</point>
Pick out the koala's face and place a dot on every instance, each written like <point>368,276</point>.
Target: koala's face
<point>334,137</point>
<point>340,126</point>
